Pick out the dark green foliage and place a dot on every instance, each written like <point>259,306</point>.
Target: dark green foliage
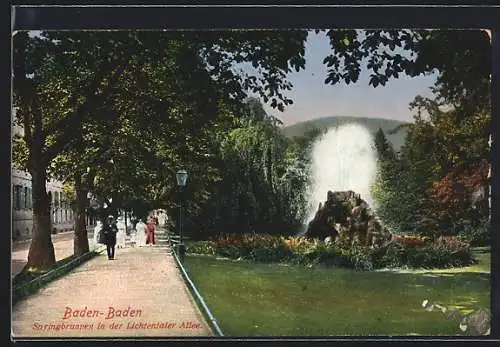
<point>462,57</point>
<point>442,253</point>
<point>275,254</point>
<point>428,188</point>
<point>261,181</point>
<point>449,136</point>
<point>476,235</point>
<point>384,149</point>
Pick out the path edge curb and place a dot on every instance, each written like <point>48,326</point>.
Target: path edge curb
<point>24,290</point>
<point>200,301</point>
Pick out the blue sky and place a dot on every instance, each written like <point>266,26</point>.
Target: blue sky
<point>313,99</point>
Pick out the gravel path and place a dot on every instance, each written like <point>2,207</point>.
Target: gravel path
<point>140,293</point>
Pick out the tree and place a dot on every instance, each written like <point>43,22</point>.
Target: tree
<point>383,146</point>
<point>254,191</point>
<point>60,78</point>
<point>55,91</point>
<point>448,143</point>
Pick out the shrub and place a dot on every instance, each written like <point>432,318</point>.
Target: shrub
<point>476,235</point>
<point>446,251</point>
<point>449,252</point>
<point>409,240</point>
<point>201,247</point>
<point>298,245</point>
<point>229,251</point>
<point>401,251</point>
<point>391,256</point>
<point>278,253</point>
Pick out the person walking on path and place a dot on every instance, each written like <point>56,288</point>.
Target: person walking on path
<point>133,237</point>
<point>140,237</point>
<point>121,234</point>
<point>150,228</point>
<point>110,231</point>
<point>97,231</point>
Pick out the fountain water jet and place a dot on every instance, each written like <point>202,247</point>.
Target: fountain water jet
<point>343,159</point>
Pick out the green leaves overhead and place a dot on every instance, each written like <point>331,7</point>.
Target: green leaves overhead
<point>461,57</point>
<point>273,54</point>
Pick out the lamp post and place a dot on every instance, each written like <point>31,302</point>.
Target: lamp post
<point>181,176</point>
<point>90,197</point>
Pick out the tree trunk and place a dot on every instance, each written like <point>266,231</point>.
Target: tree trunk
<point>80,240</point>
<point>41,253</point>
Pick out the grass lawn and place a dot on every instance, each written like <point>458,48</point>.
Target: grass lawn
<point>250,299</point>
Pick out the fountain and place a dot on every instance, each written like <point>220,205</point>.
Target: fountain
<point>342,159</point>
<point>343,168</point>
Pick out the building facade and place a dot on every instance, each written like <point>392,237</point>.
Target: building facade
<point>22,202</point>
<point>22,206</point>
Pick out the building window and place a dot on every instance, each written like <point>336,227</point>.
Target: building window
<point>17,197</point>
<point>56,207</point>
<point>26,198</point>
<point>21,197</point>
<point>30,195</point>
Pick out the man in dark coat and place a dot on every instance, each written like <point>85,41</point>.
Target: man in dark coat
<point>110,229</point>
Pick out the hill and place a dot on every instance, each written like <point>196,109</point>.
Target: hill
<point>373,124</point>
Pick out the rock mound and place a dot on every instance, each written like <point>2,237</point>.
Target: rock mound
<point>345,216</point>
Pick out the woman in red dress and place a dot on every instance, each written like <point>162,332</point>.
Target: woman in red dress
<point>150,232</point>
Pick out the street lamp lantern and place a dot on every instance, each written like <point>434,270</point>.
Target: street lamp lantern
<point>181,176</point>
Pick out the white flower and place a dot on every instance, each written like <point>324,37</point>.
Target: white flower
<point>424,304</point>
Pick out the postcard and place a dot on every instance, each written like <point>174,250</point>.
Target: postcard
<point>251,183</point>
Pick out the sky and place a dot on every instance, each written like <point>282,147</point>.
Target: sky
<point>313,99</point>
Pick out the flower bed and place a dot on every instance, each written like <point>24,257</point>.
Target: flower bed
<point>410,240</point>
<point>401,251</point>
